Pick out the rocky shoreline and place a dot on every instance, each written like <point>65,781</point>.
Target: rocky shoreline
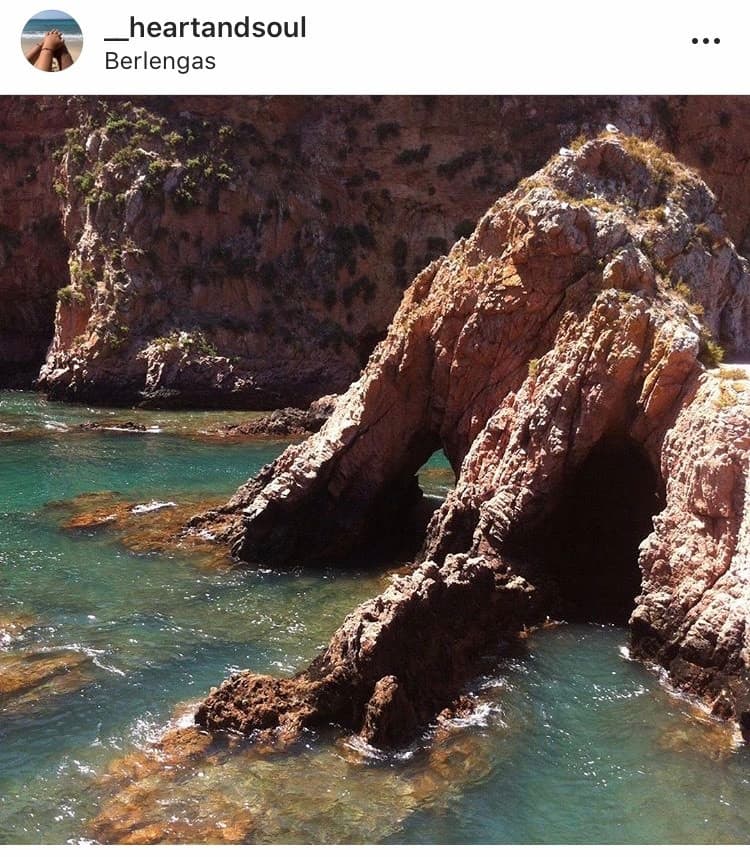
<point>284,422</point>
<point>578,323</point>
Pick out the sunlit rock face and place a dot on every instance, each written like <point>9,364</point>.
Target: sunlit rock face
<point>570,345</point>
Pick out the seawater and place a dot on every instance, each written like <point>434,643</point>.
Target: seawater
<point>36,28</point>
<point>570,741</point>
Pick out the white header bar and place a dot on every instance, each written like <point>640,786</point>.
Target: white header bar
<point>392,46</point>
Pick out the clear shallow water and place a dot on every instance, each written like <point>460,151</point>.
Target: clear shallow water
<point>571,742</point>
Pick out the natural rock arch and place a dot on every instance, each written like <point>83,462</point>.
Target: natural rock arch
<point>582,309</point>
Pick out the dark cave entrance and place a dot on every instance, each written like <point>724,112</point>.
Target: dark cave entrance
<point>398,520</point>
<point>586,547</point>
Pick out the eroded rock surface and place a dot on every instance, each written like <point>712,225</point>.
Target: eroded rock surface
<point>33,250</point>
<point>580,322</point>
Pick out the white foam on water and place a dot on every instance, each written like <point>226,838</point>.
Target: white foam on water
<point>609,695</point>
<point>362,748</point>
<point>187,718</point>
<point>153,506</point>
<point>40,33</point>
<point>146,731</point>
<point>480,716</point>
<point>107,667</point>
<point>493,682</point>
<point>94,654</point>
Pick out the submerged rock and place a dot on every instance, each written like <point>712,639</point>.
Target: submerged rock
<point>13,625</point>
<point>146,805</point>
<point>195,788</point>
<point>155,526</point>
<point>562,357</point>
<point>28,678</point>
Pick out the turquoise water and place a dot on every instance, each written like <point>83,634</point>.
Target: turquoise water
<point>571,742</point>
<point>38,27</point>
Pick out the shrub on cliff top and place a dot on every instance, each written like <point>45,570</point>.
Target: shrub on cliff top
<point>115,123</point>
<point>185,194</point>
<point>194,342</point>
<point>84,182</point>
<point>172,139</point>
<point>69,295</point>
<point>710,352</point>
<point>682,290</point>
<point>660,164</point>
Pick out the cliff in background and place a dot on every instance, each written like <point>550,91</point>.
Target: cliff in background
<point>252,251</point>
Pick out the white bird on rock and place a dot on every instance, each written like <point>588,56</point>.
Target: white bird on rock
<point>613,129</point>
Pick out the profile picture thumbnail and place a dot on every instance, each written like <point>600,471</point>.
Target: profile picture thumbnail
<point>51,40</point>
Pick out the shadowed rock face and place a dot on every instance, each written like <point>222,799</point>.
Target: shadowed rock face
<point>586,546</point>
<point>33,249</point>
<point>563,349</point>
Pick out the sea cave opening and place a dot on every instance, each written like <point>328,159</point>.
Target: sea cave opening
<point>585,548</point>
<point>398,520</point>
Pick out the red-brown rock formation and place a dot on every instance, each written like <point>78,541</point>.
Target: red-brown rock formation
<point>252,251</point>
<point>563,358</point>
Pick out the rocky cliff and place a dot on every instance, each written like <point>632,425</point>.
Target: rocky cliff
<point>252,251</point>
<point>565,358</point>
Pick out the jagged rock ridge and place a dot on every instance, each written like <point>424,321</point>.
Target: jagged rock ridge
<point>577,324</point>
